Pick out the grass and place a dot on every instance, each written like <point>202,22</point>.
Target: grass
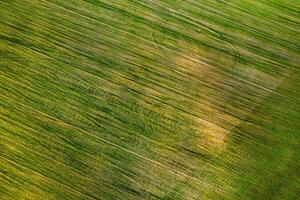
<point>133,99</point>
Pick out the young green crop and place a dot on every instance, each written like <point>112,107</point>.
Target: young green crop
<point>134,99</point>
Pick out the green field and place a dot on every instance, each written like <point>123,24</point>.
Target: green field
<point>149,99</point>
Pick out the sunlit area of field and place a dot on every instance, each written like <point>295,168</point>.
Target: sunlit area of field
<point>149,99</point>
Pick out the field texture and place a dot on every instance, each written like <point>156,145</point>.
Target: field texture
<point>149,99</point>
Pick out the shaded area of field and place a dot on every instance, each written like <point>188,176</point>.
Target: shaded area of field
<point>133,99</point>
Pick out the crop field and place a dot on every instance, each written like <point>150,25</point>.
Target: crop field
<point>149,99</point>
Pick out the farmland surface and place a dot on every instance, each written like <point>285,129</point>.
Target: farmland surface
<point>149,99</point>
